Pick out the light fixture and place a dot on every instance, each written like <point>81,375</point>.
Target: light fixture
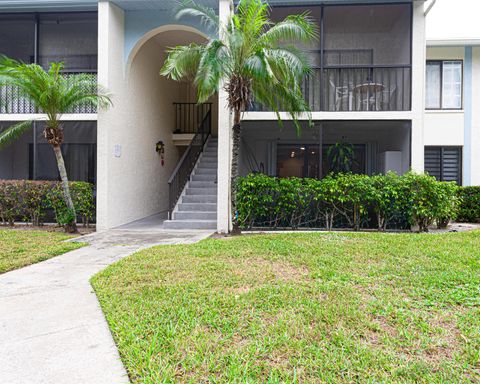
<point>302,148</point>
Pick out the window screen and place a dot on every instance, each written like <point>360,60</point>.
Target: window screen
<point>17,37</point>
<point>444,163</point>
<point>71,38</point>
<point>79,151</point>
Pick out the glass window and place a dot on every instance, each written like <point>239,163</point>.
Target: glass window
<point>444,85</point>
<point>452,85</point>
<point>298,160</point>
<point>433,84</point>
<point>302,160</point>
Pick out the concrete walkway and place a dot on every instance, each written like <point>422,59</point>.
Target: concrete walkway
<point>52,329</point>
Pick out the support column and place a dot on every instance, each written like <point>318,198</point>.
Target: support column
<point>110,75</point>
<point>467,130</point>
<point>224,219</point>
<point>475,126</point>
<point>418,87</point>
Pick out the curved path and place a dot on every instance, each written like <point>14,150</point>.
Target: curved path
<point>52,329</point>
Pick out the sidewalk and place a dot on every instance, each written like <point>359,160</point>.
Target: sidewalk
<point>52,329</point>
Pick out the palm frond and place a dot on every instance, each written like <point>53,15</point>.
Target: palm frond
<point>295,28</point>
<point>14,132</point>
<point>207,15</point>
<point>291,61</point>
<point>182,62</point>
<point>252,16</point>
<point>211,69</point>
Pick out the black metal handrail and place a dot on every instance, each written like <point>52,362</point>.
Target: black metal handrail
<point>189,116</point>
<point>183,170</point>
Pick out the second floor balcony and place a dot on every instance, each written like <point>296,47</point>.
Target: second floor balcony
<point>43,38</point>
<point>362,60</point>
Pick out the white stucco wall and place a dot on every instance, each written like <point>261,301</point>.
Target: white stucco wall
<point>133,184</point>
<point>444,128</point>
<point>224,145</point>
<point>448,128</point>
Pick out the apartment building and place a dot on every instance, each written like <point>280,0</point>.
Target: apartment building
<point>371,70</point>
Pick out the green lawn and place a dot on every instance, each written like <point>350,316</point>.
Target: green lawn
<point>19,248</point>
<point>306,308</point>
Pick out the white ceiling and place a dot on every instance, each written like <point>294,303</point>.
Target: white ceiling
<point>141,5</point>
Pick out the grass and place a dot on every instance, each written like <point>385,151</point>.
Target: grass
<point>306,308</point>
<point>19,248</point>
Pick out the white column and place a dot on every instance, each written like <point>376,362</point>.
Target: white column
<point>475,124</point>
<point>224,144</point>
<point>110,75</point>
<point>418,86</point>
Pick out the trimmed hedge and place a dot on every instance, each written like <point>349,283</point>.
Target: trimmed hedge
<point>346,201</point>
<point>469,210</point>
<point>31,201</point>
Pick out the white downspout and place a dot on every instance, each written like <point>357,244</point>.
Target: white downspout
<point>430,7</point>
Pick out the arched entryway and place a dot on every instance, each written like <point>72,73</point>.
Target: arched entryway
<point>144,115</point>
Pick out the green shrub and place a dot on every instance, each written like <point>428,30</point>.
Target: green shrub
<point>346,200</point>
<point>9,201</point>
<point>30,200</point>
<point>386,199</point>
<point>354,193</point>
<point>33,202</point>
<point>469,205</point>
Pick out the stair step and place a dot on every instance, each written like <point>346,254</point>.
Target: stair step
<point>206,171</point>
<point>203,184</point>
<point>212,191</point>
<point>208,159</point>
<point>207,165</point>
<point>185,215</point>
<point>199,199</point>
<point>205,177</point>
<point>190,224</point>
<point>197,207</point>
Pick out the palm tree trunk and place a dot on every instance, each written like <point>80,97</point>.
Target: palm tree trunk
<point>234,171</point>
<point>70,227</point>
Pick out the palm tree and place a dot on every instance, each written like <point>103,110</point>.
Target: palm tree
<point>253,58</point>
<point>52,94</point>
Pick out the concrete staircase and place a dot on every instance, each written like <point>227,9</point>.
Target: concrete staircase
<point>197,207</point>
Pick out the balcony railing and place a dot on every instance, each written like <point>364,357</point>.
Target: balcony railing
<point>357,89</point>
<point>189,116</point>
<point>11,101</point>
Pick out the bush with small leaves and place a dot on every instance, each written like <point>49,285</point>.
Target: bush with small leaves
<point>469,205</point>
